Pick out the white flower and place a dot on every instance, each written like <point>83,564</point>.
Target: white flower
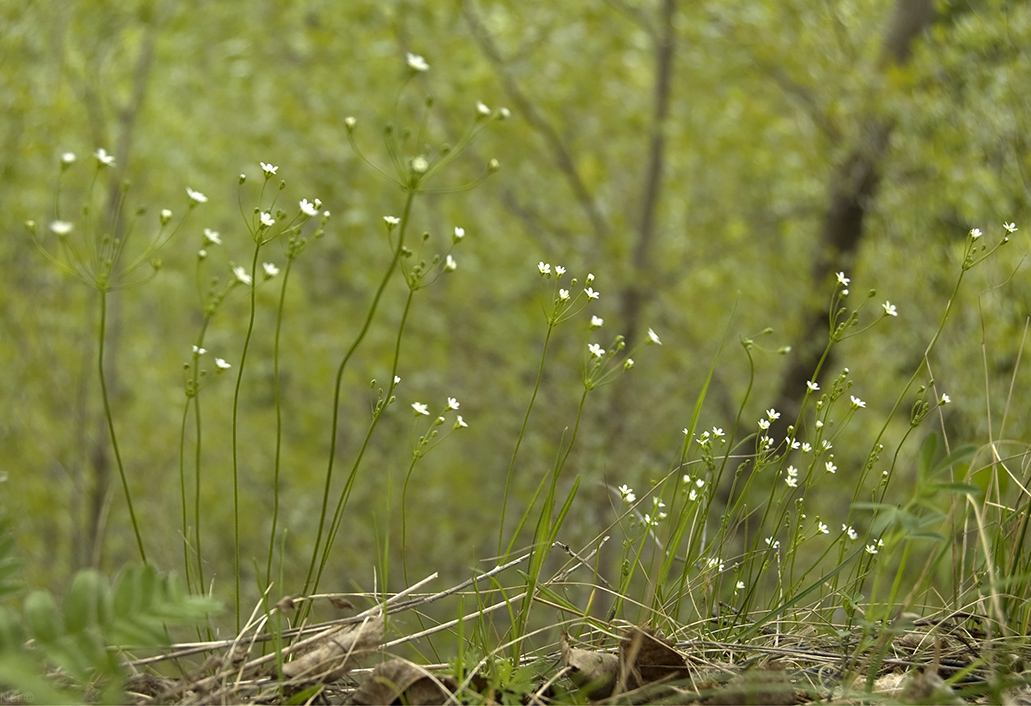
<point>1010,227</point>
<point>308,208</point>
<point>269,169</point>
<point>199,351</point>
<point>975,233</point>
<point>482,109</point>
<point>350,122</point>
<point>826,445</point>
<point>871,549</point>
<point>627,494</point>
<point>221,364</point>
<point>459,233</point>
<point>849,531</point>
<point>740,585</point>
<point>822,528</point>
<point>212,237</point>
<point>545,268</point>
<point>416,62</point>
<point>813,386</point>
<point>559,270</point>
<point>597,321</point>
<point>450,265</point>
<point>856,402</point>
<point>420,164</point>
<point>764,424</point>
<point>61,227</point>
<point>590,278</point>
<point>563,294</point>
<point>452,403</point>
<point>819,424</point>
<point>889,309</point>
<point>628,363</point>
<point>241,274</point>
<point>397,379</point>
<point>69,158</point>
<point>654,337</point>
<point>596,350</point>
<point>716,431</point>
<point>831,468</point>
<point>104,158</point>
<point>591,294</point>
<point>420,408</point>
<point>391,221</point>
<point>772,414</point>
<point>775,544</point>
<point>196,196</point>
<point>165,216</point>
<point>270,270</point>
<point>945,399</point>
<point>460,423</point>
<point>843,280</point>
<point>806,447</point>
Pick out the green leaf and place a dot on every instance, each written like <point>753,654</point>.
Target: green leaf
<point>42,617</point>
<point>12,634</point>
<point>88,603</point>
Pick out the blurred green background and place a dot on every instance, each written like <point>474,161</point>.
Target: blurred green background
<point>712,163</point>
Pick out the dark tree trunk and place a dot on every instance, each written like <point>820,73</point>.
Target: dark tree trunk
<point>852,191</point>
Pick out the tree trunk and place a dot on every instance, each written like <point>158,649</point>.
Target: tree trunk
<point>852,191</point>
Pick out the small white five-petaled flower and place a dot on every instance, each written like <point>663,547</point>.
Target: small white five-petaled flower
<point>268,169</point>
<point>596,350</point>
<point>420,408</point>
<point>104,158</point>
<point>196,196</point>
<point>266,219</point>
<point>654,337</point>
<point>240,272</point>
<point>450,265</point>
<point>221,364</point>
<point>591,294</point>
<point>416,62</point>
<point>270,270</point>
<point>308,208</point>
<point>856,402</point>
<point>627,494</point>
<point>889,309</point>
<point>842,279</point>
<point>544,268</point>
<point>1010,227</point>
<point>211,237</point>
<point>452,403</point>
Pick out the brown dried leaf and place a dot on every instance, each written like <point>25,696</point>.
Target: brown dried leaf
<point>338,651</point>
<point>286,603</point>
<point>341,603</point>
<point>595,672</point>
<point>401,680</point>
<point>645,657</point>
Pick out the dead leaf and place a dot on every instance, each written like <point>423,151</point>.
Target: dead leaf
<point>341,603</point>
<point>645,657</point>
<point>400,680</point>
<point>338,651</point>
<point>595,672</point>
<point>286,603</point>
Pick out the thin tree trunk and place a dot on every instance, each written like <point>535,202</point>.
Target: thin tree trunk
<point>852,191</point>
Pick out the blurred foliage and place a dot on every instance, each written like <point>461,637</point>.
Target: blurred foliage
<point>766,97</point>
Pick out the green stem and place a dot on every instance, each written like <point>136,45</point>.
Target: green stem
<point>111,425</point>
<point>522,432</point>
<point>279,423</point>
<point>334,425</point>
<point>236,456</point>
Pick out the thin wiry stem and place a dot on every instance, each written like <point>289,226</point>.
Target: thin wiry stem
<point>111,425</point>
<point>334,425</point>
